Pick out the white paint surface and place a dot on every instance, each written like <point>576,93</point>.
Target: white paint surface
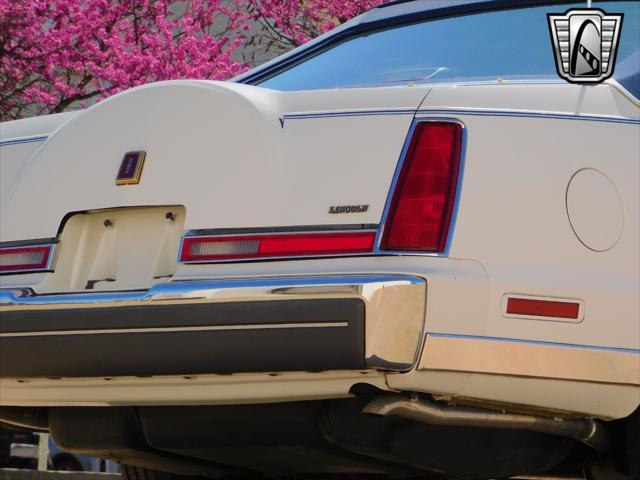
<point>595,209</point>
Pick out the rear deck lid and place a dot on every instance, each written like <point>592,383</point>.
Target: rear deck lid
<point>234,156</point>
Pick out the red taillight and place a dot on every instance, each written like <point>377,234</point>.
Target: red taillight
<point>207,249</point>
<point>25,259</point>
<point>420,212</point>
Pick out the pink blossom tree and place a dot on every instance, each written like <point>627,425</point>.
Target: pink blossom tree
<point>289,24</point>
<point>57,53</point>
<point>61,54</point>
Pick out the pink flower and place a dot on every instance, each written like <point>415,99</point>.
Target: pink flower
<point>61,54</point>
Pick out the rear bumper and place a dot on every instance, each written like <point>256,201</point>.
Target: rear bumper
<point>224,326</point>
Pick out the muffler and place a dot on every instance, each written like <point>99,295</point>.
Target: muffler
<point>588,431</point>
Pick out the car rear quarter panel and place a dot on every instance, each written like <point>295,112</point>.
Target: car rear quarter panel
<point>524,145</point>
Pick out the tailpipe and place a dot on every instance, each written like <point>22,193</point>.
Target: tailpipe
<point>588,431</point>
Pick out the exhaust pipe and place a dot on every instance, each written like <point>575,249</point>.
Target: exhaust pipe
<point>588,431</point>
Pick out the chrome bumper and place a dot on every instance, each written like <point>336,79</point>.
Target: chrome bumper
<point>321,311</point>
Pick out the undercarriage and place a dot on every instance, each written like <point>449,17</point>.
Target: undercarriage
<point>342,436</point>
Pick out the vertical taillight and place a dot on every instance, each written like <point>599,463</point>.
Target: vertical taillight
<point>25,258</point>
<point>420,211</point>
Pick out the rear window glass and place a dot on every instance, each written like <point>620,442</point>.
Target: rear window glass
<point>512,44</point>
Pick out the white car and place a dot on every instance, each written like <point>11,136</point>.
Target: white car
<point>407,248</point>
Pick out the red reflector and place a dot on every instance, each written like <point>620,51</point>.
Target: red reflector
<point>24,259</point>
<point>422,204</point>
<point>543,308</point>
<point>203,249</point>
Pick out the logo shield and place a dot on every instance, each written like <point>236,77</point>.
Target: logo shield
<point>585,44</point>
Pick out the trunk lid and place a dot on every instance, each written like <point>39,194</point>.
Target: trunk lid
<point>234,156</point>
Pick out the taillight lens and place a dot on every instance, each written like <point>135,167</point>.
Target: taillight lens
<point>422,204</point>
<point>25,259</point>
<point>209,249</point>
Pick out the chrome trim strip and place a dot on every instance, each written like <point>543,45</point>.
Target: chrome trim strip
<point>536,342</point>
<point>342,227</point>
<point>394,305</point>
<point>455,111</point>
<point>41,138</point>
<point>292,232</point>
<point>526,358</point>
<point>527,114</point>
<point>58,333</point>
<point>345,113</point>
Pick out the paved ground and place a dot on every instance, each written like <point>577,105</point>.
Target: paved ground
<point>14,474</point>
